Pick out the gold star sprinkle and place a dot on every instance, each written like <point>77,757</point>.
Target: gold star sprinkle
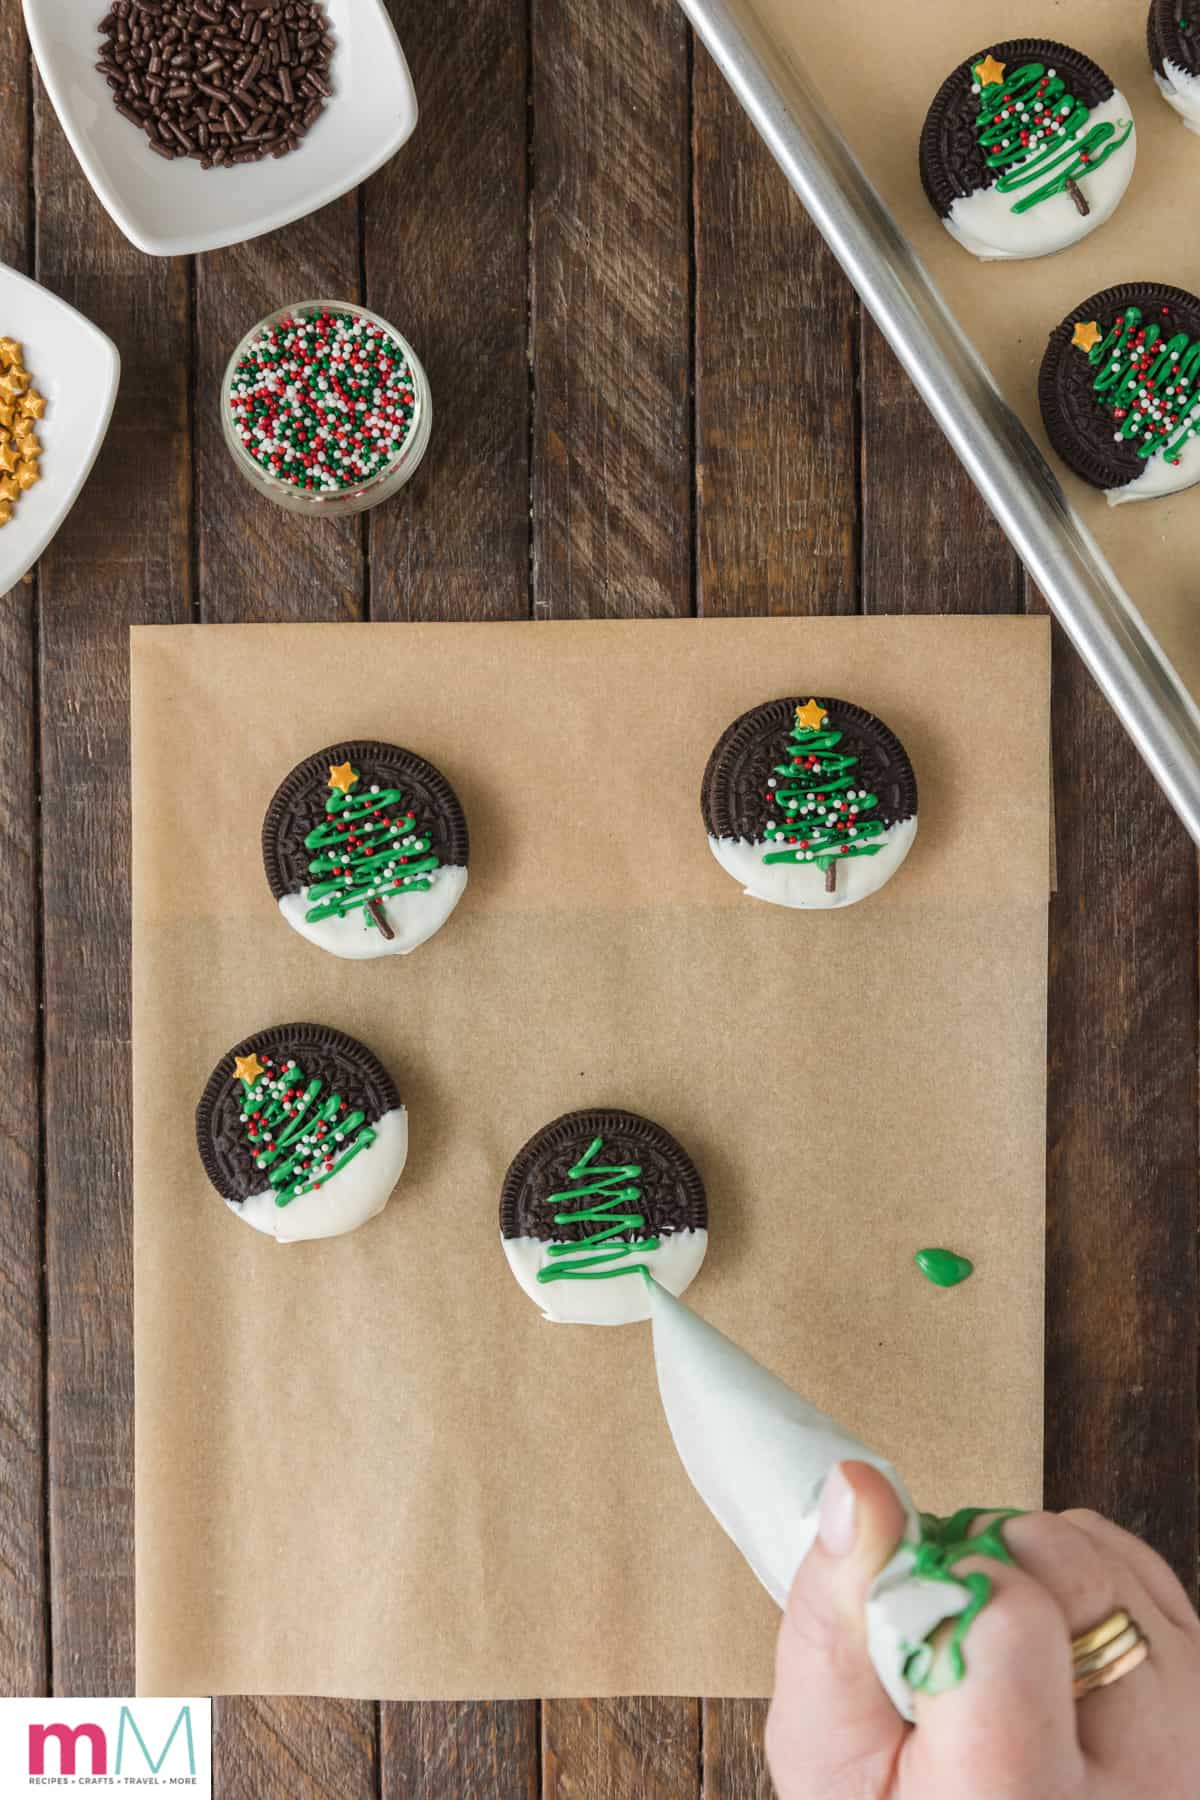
<point>10,352</point>
<point>811,716</point>
<point>33,404</point>
<point>8,459</point>
<point>247,1068</point>
<point>9,489</point>
<point>5,512</point>
<point>343,777</point>
<point>27,476</point>
<point>13,382</point>
<point>28,443</point>
<point>989,72</point>
<point>6,415</point>
<point>1086,336</point>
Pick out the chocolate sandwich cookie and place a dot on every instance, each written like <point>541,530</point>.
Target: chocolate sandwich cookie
<point>365,847</point>
<point>1173,39</point>
<point>809,802</point>
<point>593,1204</point>
<point>1120,390</point>
<point>302,1133</point>
<point>1027,148</point>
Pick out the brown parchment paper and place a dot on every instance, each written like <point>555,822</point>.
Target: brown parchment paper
<point>368,1467</point>
<point>878,67</point>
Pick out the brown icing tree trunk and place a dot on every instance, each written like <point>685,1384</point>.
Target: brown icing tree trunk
<point>831,879</point>
<point>1076,193</point>
<point>375,908</point>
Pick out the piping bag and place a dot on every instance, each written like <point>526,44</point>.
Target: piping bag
<point>758,1456</point>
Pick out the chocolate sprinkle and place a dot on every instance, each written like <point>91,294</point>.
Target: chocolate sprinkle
<point>299,807</point>
<point>672,1191</point>
<point>952,160</point>
<point>341,1062</point>
<point>221,81</point>
<point>733,794</point>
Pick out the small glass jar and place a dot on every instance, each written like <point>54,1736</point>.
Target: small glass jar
<point>376,488</point>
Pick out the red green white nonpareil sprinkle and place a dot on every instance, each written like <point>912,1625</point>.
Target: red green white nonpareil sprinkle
<point>323,401</point>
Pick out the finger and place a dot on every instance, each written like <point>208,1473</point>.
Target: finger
<point>1168,1593</point>
<point>832,1729</point>
<point>1012,1717</point>
<point>1090,1583</point>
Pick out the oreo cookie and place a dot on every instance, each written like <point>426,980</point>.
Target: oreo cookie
<point>365,847</point>
<point>594,1203</point>
<point>302,1133</point>
<point>809,802</point>
<point>1119,390</point>
<point>1027,148</point>
<point>1173,40</point>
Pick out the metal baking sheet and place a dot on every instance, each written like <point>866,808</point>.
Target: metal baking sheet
<point>769,51</point>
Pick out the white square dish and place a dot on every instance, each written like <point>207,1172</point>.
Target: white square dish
<point>76,368</point>
<point>178,208</point>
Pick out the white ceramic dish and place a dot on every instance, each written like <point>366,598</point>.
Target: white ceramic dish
<point>178,208</point>
<point>77,368</point>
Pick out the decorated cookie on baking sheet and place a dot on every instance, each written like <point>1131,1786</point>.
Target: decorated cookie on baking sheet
<point>594,1203</point>
<point>1173,36</point>
<point>365,847</point>
<point>302,1133</point>
<point>1120,390</point>
<point>809,802</point>
<point>1027,148</point>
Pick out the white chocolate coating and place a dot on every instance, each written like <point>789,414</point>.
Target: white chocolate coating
<point>622,1300</point>
<point>985,224</point>
<point>803,884</point>
<point>1160,477</point>
<point>344,1202</point>
<point>413,917</point>
<point>1181,91</point>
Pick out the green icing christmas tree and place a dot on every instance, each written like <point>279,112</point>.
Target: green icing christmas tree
<point>820,813</point>
<point>369,849</point>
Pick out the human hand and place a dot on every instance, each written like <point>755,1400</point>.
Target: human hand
<point>1012,1729</point>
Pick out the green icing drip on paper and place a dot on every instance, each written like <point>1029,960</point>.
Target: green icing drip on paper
<point>298,1139</point>
<point>943,1267</point>
<point>944,1543</point>
<point>820,815</point>
<point>369,849</point>
<point>582,1261</point>
<point>1047,147</point>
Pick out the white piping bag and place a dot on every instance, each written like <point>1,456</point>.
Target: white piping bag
<point>758,1456</point>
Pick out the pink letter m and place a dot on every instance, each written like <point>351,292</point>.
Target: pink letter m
<point>68,1738</point>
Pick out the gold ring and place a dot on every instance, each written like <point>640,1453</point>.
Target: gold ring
<point>1113,1671</point>
<point>1088,1642</point>
<point>1112,1652</point>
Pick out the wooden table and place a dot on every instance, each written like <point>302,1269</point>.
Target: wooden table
<point>654,395</point>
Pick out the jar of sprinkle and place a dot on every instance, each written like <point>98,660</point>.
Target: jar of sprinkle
<point>325,408</point>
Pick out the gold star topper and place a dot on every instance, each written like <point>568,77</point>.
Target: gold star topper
<point>989,72</point>
<point>811,716</point>
<point>1086,336</point>
<point>343,777</point>
<point>247,1068</point>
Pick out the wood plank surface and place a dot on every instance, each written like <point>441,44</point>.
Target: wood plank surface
<point>1124,1209</point>
<point>24,1596</point>
<point>121,557</point>
<point>612,453</point>
<point>452,274</point>
<point>777,514</point>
